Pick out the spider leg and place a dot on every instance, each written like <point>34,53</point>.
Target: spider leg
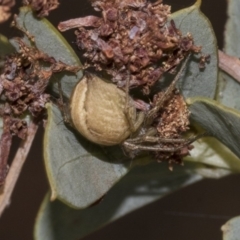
<point>133,146</point>
<point>153,139</point>
<point>151,132</point>
<point>62,106</point>
<point>160,102</point>
<point>133,123</point>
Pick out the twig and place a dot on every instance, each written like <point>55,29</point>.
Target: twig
<point>16,167</point>
<point>229,64</point>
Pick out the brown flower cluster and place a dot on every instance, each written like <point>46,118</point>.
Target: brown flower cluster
<point>5,9</point>
<point>42,7</point>
<point>132,38</point>
<point>172,122</point>
<point>23,81</point>
<point>174,116</point>
<point>25,78</point>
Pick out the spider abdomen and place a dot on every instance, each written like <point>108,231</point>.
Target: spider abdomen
<point>98,111</point>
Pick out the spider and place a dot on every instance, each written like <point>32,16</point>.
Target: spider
<point>145,137</point>
<point>107,115</point>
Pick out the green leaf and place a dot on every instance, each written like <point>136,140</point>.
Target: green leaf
<point>79,172</point>
<point>210,151</point>
<point>5,49</point>
<point>50,41</point>
<point>195,82</point>
<point>231,229</point>
<point>219,121</point>
<point>5,46</point>
<point>229,89</point>
<point>141,186</point>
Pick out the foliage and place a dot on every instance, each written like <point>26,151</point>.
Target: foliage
<point>81,173</point>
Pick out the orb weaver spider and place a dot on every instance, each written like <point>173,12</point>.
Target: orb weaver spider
<point>145,137</point>
<point>106,122</point>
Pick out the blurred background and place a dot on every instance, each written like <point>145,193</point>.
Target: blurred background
<point>195,212</point>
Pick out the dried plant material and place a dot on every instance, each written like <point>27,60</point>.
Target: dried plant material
<point>23,82</point>
<point>173,121</point>
<point>42,7</point>
<point>131,37</point>
<point>173,117</point>
<point>5,9</point>
<point>164,136</point>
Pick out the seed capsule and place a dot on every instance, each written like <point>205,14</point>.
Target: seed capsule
<point>97,111</point>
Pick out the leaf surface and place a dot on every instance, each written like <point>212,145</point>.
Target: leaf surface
<point>210,151</point>
<point>139,187</point>
<point>231,229</point>
<point>5,46</point>
<point>195,82</point>
<point>79,172</point>
<point>219,121</point>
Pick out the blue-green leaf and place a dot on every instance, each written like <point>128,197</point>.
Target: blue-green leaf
<point>79,172</point>
<point>219,121</point>
<point>196,82</point>
<point>141,186</point>
<point>231,229</point>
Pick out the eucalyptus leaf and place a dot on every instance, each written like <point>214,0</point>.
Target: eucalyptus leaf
<point>50,41</point>
<point>5,46</point>
<point>210,151</point>
<point>229,89</point>
<point>219,121</point>
<point>139,187</point>
<point>195,82</point>
<point>231,229</point>
<point>79,172</point>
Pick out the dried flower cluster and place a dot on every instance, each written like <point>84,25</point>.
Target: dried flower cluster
<point>174,115</point>
<point>5,9</point>
<point>23,82</point>
<point>131,38</point>
<point>42,7</point>
<point>173,121</point>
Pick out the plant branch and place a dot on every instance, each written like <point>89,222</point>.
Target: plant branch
<point>16,167</point>
<point>230,65</point>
